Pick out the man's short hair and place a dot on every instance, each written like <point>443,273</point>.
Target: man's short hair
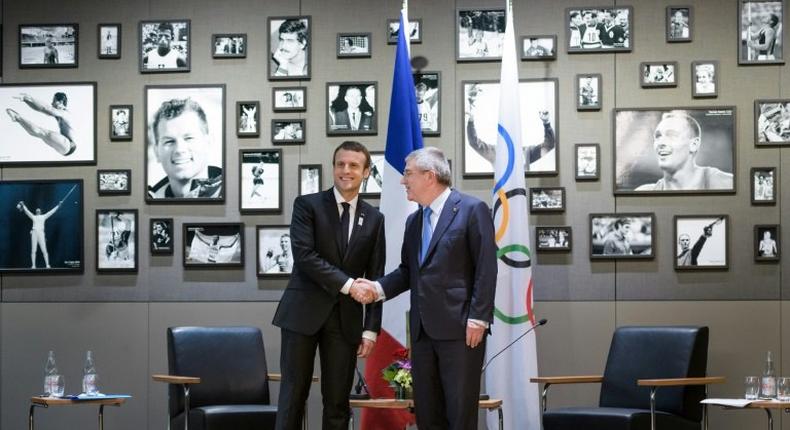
<point>774,19</point>
<point>432,159</point>
<point>574,14</point>
<point>421,86</point>
<point>60,97</point>
<point>691,123</point>
<point>166,26</point>
<point>174,108</point>
<point>295,26</point>
<point>619,222</point>
<point>350,41</point>
<point>352,145</point>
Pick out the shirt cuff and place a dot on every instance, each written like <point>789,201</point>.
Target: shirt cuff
<point>369,335</point>
<point>478,323</point>
<point>380,292</point>
<point>347,287</point>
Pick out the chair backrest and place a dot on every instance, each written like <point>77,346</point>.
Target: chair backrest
<point>230,362</point>
<point>656,352</point>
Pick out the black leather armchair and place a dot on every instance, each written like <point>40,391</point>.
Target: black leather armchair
<point>654,379</point>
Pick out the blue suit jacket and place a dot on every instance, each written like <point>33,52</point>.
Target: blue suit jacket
<point>457,280</point>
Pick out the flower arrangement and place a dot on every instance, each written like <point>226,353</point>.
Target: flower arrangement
<point>398,373</point>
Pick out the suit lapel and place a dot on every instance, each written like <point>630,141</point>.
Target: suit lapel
<point>334,218</point>
<point>449,211</point>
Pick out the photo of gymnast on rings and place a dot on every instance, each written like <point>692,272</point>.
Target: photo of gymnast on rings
<point>116,240</point>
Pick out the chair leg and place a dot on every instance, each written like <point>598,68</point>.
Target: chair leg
<point>186,407</point>
<point>544,396</point>
<point>653,408</point>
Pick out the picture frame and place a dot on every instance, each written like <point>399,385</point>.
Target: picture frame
<point>578,19</point>
<point>114,182</point>
<point>539,47</point>
<point>372,186</point>
<point>654,74</point>
<point>248,118</point>
<point>701,242</point>
<point>48,46</point>
<point>165,46</point>
<point>310,179</point>
<point>20,148</point>
<point>759,21</point>
<point>274,256</point>
<point>61,202</point>
<point>679,24</point>
<point>291,131</point>
<point>622,236</point>
<point>588,91</point>
<point>769,122</point>
<point>290,45</point>
<point>354,45</point>
<point>261,181</point>
<point>109,41</point>
<point>289,99</point>
<point>393,28</point>
<point>539,101</point>
<point>213,245</point>
<point>480,34</point>
<point>553,238</point>
<point>546,199</point>
<point>341,112</point>
<point>767,243</point>
<point>117,244</point>
<point>428,90</point>
<point>705,79</point>
<point>121,122</point>
<point>229,45</point>
<point>161,236</point>
<point>203,178</point>
<point>763,187</point>
<point>643,166</point>
<point>587,162</point>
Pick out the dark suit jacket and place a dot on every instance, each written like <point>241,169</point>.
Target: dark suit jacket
<point>320,271</point>
<point>457,280</point>
<point>343,121</point>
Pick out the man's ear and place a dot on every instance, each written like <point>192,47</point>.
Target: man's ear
<point>694,145</point>
<point>366,173</point>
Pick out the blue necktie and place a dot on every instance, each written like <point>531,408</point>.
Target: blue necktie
<point>427,232</point>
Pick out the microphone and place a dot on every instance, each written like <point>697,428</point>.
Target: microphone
<point>484,396</point>
<point>361,391</point>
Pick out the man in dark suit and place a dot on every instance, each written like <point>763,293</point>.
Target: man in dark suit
<point>336,237</point>
<point>355,116</point>
<point>449,263</point>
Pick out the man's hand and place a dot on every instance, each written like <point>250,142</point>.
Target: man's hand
<point>363,291</point>
<point>365,348</point>
<point>474,334</point>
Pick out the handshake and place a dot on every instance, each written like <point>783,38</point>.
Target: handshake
<point>364,291</point>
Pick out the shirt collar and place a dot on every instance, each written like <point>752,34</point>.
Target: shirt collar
<point>339,199</point>
<point>438,203</point>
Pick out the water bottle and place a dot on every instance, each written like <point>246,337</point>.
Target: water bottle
<point>50,374</point>
<point>89,377</point>
<point>768,382</point>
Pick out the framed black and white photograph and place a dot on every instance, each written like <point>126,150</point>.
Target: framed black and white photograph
<point>680,20</point>
<point>427,88</point>
<point>372,185</point>
<point>165,46</point>
<point>760,32</point>
<point>539,126</point>
<point>354,45</point>
<point>705,76</point>
<point>772,122</point>
<point>43,226</point>
<point>109,46</point>
<point>352,108</point>
<point>229,45</point>
<point>261,181</point>
<point>117,242</point>
<point>288,131</point>
<point>763,185</point>
<point>289,47</point>
<point>415,31</point>
<point>274,256</point>
<point>161,236</point>
<point>701,242</point>
<point>622,236</point>
<point>767,245</point>
<point>599,29</point>
<point>587,161</point>
<point>310,179</point>
<point>538,47</point>
<point>546,199</point>
<point>213,245</point>
<point>480,34</point>
<point>48,46</point>
<point>48,124</point>
<point>658,74</point>
<point>674,150</point>
<point>289,99</point>
<point>114,182</point>
<point>185,143</point>
<point>588,91</point>
<point>248,118</point>
<point>553,238</point>
<point>121,122</point>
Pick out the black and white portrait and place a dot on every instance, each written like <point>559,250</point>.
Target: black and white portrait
<point>602,29</point>
<point>351,45</point>
<point>622,236</point>
<point>546,199</point>
<point>427,88</point>
<point>309,179</point>
<point>372,185</point>
<point>209,245</point>
<point>587,161</point>
<point>229,45</point>
<point>766,242</point>
<point>288,131</point>
<point>260,179</point>
<point>289,99</point>
<point>352,108</point>
<point>48,46</point>
<point>683,150</point>
<point>415,30</point>
<point>273,244</point>
<point>705,76</point>
<point>679,23</point>
<point>44,226</point>
<point>660,74</point>
<point>538,47</point>
<point>248,119</point>
<point>161,236</point>
<point>761,26</point>
<point>48,124</point>
<point>553,238</point>
<point>116,240</point>
<point>109,46</point>
<point>588,91</point>
<point>772,122</point>
<point>763,185</point>
<point>539,133</point>
<point>165,46</point>
<point>701,242</point>
<point>114,182</point>
<point>121,122</point>
<point>480,34</point>
<point>289,47</point>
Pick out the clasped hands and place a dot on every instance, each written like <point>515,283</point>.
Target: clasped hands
<point>364,291</point>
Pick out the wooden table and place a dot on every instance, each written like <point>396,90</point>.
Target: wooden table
<point>490,405</point>
<point>46,402</point>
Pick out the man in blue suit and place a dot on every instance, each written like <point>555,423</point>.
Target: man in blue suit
<point>449,263</point>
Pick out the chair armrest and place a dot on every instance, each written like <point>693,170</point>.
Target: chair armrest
<point>554,380</point>
<point>172,379</point>
<point>279,377</point>
<point>677,382</point>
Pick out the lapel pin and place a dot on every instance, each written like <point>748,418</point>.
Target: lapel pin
<point>361,219</point>
<point>455,209</point>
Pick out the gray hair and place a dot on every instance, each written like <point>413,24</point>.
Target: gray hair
<point>432,159</point>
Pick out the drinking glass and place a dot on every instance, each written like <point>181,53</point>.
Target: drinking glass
<point>752,385</point>
<point>783,389</point>
<point>58,386</point>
